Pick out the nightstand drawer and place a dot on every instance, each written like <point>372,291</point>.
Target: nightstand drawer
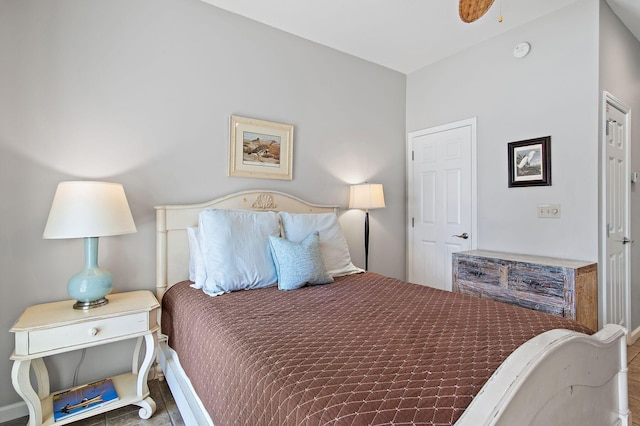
<point>87,332</point>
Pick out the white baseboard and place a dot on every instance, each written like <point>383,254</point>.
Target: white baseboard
<point>13,411</point>
<point>633,336</point>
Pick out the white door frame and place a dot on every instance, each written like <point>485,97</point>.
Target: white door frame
<point>608,98</point>
<point>472,122</point>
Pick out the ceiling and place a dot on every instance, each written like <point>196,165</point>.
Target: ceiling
<point>404,35</point>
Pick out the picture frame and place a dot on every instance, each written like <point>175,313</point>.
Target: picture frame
<point>529,162</point>
<point>260,149</point>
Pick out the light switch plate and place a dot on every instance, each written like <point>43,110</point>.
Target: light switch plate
<point>549,211</point>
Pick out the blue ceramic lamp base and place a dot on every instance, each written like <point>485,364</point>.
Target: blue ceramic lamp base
<point>90,286</point>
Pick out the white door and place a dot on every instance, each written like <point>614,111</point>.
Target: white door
<point>616,180</point>
<point>442,200</point>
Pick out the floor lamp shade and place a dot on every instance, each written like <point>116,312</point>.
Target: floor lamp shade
<point>89,210</point>
<point>366,196</point>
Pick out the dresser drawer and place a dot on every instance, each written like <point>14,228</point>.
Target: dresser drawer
<point>550,305</point>
<point>471,271</point>
<point>553,307</point>
<point>87,332</point>
<point>536,280</point>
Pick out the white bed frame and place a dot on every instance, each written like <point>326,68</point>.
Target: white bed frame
<point>559,377</point>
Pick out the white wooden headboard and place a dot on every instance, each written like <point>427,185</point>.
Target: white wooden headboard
<point>172,245</point>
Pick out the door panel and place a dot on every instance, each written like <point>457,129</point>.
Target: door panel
<point>428,189</point>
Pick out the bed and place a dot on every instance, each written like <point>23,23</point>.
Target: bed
<point>288,357</point>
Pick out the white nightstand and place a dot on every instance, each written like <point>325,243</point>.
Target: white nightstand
<point>54,328</point>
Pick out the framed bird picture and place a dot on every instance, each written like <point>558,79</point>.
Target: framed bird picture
<point>260,149</point>
<point>529,162</point>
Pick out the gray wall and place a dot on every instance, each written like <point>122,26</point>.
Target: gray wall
<point>552,91</point>
<point>140,93</point>
<point>620,76</point>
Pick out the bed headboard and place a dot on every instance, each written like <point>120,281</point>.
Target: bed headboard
<point>172,245</point>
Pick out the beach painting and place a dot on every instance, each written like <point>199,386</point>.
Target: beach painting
<point>260,149</point>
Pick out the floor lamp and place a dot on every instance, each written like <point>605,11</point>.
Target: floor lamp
<point>366,196</point>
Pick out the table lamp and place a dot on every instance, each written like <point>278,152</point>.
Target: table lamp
<point>366,196</point>
<point>89,210</point>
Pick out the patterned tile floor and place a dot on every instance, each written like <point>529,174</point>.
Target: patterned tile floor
<point>166,412</point>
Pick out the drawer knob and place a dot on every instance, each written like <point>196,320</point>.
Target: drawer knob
<point>93,331</point>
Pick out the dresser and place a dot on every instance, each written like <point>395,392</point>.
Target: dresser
<point>567,288</point>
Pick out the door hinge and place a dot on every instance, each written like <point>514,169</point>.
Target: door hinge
<point>413,155</point>
<point>413,222</point>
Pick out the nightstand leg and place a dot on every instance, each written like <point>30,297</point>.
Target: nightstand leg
<point>158,366</point>
<point>147,408</point>
<point>136,356</point>
<point>22,385</point>
<point>148,405</point>
<point>42,377</point>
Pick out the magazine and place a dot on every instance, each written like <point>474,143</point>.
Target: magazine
<point>82,398</point>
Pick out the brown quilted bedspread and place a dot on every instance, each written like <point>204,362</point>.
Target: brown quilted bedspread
<point>364,350</point>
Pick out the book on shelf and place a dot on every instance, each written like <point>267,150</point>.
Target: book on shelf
<point>83,398</point>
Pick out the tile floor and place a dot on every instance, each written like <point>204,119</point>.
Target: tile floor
<point>167,411</point>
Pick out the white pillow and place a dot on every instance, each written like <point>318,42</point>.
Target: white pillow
<point>235,248</point>
<point>191,234</point>
<point>197,272</point>
<point>333,245</point>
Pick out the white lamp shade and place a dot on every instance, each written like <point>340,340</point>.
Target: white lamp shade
<point>366,196</point>
<point>89,209</point>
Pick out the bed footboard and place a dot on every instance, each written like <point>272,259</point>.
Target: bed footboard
<point>558,377</point>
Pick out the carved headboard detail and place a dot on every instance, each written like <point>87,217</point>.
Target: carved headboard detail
<point>264,202</point>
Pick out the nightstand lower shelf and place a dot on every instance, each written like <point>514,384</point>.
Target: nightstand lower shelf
<point>125,385</point>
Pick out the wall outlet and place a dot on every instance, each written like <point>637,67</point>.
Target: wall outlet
<point>549,210</point>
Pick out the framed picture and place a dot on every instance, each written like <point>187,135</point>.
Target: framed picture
<point>530,162</point>
<point>260,149</point>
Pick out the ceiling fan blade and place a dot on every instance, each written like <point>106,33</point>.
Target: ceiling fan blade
<point>472,10</point>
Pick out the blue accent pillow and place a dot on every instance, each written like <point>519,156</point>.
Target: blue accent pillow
<point>300,263</point>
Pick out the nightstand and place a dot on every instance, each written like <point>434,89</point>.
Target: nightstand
<point>54,328</point>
